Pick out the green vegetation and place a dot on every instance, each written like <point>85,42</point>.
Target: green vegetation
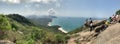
<point>4,23</point>
<point>78,30</point>
<point>118,12</point>
<point>19,19</point>
<point>20,30</point>
<point>43,23</point>
<point>39,21</point>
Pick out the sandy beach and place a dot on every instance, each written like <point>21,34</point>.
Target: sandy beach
<point>49,24</point>
<point>61,29</point>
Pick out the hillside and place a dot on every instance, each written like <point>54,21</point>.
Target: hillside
<point>40,20</point>
<point>18,29</point>
<point>98,36</point>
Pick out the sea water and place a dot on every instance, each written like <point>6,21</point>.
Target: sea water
<point>68,23</point>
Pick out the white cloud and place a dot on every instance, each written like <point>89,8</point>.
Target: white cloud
<point>31,12</point>
<point>48,1</point>
<point>53,2</point>
<point>42,7</point>
<point>44,1</point>
<point>35,0</point>
<point>31,1</point>
<point>51,11</point>
<point>12,1</point>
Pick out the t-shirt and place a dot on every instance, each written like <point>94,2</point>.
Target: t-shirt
<point>116,16</point>
<point>106,23</point>
<point>91,24</point>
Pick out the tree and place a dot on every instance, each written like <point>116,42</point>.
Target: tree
<point>118,12</point>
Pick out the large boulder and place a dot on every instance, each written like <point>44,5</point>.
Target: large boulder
<point>110,36</point>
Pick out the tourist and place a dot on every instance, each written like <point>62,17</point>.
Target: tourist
<point>117,17</point>
<point>106,23</point>
<point>91,24</point>
<point>110,19</point>
<point>114,18</point>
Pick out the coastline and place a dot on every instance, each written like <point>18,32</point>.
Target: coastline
<point>49,24</point>
<point>61,29</point>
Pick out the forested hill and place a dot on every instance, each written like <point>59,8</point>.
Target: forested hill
<point>20,30</point>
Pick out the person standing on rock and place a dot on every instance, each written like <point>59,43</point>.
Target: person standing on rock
<point>91,24</point>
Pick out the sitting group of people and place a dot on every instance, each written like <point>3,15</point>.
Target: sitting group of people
<point>111,20</point>
<point>114,19</point>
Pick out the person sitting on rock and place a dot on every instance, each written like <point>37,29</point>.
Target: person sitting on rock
<point>106,23</point>
<point>114,18</point>
<point>117,18</point>
<point>110,19</point>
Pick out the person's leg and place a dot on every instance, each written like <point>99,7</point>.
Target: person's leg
<point>106,26</point>
<point>91,28</point>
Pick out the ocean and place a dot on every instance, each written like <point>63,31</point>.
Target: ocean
<point>68,23</point>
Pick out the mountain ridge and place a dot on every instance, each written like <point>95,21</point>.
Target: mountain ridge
<point>23,31</point>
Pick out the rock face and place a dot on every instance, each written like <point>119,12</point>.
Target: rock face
<point>100,35</point>
<point>110,36</point>
<point>86,36</point>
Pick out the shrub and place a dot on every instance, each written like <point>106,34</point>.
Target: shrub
<point>4,23</point>
<point>118,12</point>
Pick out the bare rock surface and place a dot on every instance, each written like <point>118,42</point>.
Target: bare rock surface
<point>110,36</point>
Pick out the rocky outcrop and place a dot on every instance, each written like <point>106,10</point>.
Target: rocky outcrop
<point>100,35</point>
<point>110,36</point>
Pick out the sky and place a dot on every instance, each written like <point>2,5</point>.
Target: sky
<point>70,8</point>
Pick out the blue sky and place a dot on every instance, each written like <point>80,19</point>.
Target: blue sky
<point>71,8</point>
